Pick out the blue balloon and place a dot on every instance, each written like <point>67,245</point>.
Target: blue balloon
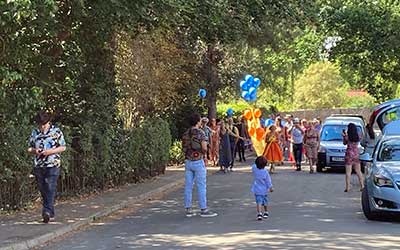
<point>253,96</point>
<point>244,86</point>
<point>202,93</point>
<point>269,122</point>
<point>249,79</point>
<point>246,95</point>
<point>229,112</point>
<point>257,82</point>
<point>252,91</point>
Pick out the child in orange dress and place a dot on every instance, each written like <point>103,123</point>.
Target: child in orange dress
<point>272,151</point>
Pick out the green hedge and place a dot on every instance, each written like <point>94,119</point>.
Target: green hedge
<point>176,155</point>
<point>93,161</point>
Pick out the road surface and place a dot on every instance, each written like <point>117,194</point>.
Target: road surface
<point>306,212</point>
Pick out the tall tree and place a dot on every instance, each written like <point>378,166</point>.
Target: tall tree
<point>217,24</point>
<point>368,51</point>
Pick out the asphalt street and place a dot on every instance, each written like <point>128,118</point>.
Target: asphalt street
<point>307,211</point>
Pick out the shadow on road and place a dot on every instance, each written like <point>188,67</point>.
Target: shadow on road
<point>307,212</point>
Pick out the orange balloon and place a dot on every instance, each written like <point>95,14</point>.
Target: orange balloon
<point>257,113</point>
<point>260,133</point>
<point>252,131</point>
<point>247,114</point>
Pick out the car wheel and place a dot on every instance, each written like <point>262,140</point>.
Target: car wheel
<point>366,205</point>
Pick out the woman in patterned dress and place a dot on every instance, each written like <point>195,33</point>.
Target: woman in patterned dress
<point>351,138</point>
<point>311,144</point>
<point>215,138</point>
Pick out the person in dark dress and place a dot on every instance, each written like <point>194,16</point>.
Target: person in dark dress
<point>225,154</point>
<point>240,146</point>
<point>233,139</point>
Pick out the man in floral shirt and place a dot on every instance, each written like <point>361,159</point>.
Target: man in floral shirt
<point>45,144</point>
<point>194,145</point>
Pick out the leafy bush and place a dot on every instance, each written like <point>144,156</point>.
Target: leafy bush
<point>93,161</point>
<point>359,101</point>
<point>238,108</point>
<point>176,154</point>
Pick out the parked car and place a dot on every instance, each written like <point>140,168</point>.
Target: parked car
<point>382,180</point>
<point>332,150</point>
<point>382,115</point>
<point>357,117</point>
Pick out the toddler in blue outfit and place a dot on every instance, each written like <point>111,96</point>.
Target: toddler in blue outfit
<point>262,184</point>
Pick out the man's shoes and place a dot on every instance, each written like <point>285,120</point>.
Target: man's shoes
<point>259,217</point>
<point>207,213</point>
<point>190,213</point>
<point>265,215</point>
<point>46,217</point>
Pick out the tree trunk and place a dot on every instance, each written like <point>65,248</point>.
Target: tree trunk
<point>210,70</point>
<point>212,105</point>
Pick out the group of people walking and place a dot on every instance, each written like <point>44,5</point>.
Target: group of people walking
<point>224,141</point>
<point>218,143</point>
<point>289,139</point>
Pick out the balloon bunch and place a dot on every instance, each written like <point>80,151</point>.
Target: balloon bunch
<point>255,130</point>
<point>249,88</point>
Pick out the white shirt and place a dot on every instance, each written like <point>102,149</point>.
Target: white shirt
<point>297,135</point>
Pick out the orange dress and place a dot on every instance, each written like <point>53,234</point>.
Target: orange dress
<point>272,151</point>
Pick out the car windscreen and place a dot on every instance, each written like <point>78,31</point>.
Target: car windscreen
<point>334,132</point>
<point>389,151</point>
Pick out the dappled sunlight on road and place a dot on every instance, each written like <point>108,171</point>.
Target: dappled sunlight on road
<point>265,239</point>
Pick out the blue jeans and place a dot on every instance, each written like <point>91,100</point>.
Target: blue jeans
<point>195,171</point>
<point>46,179</point>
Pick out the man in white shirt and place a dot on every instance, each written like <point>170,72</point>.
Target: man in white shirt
<point>297,135</point>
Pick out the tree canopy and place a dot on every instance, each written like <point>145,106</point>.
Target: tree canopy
<point>320,86</point>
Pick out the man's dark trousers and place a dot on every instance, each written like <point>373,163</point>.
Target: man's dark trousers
<point>46,179</point>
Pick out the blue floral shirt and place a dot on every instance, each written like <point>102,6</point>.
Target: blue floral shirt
<point>43,141</point>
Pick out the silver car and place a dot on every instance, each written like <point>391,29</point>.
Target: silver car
<point>332,150</point>
<point>382,180</point>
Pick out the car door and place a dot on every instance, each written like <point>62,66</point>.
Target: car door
<point>383,114</point>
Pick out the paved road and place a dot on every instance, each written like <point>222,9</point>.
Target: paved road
<point>307,212</point>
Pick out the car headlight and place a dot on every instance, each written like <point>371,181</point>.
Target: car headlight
<point>322,149</point>
<point>382,181</point>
